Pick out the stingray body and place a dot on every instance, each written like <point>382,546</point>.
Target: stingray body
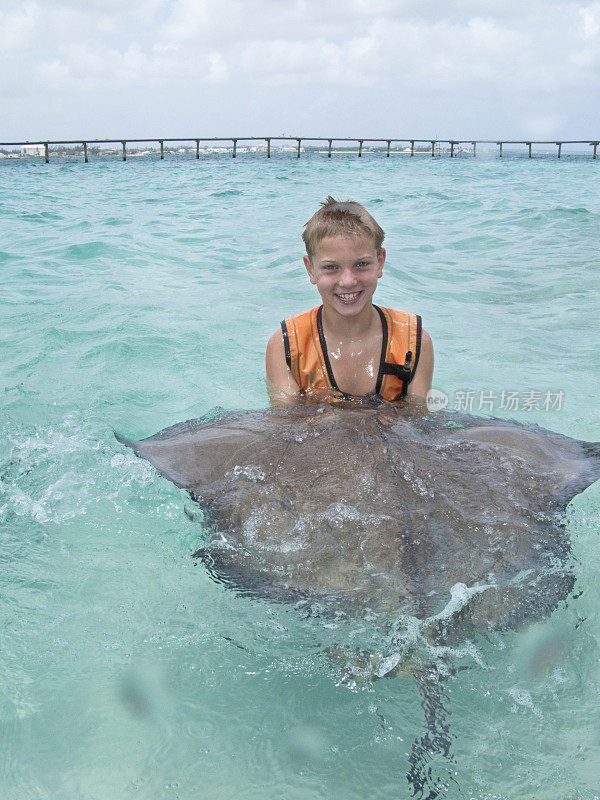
<point>383,512</point>
<point>381,508</point>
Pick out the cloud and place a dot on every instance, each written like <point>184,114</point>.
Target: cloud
<point>590,16</point>
<point>18,29</point>
<point>340,42</point>
<point>282,62</point>
<point>525,56</point>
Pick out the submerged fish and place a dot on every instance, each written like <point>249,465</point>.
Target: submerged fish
<point>385,510</point>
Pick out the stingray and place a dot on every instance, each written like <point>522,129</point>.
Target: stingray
<point>387,511</point>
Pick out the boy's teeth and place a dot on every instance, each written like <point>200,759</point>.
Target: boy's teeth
<point>352,296</point>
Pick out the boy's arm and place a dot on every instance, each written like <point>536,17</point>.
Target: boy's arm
<point>281,385</point>
<point>421,382</point>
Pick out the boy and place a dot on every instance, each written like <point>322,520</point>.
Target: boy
<point>348,347</point>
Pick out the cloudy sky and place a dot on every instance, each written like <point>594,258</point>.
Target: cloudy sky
<point>398,68</point>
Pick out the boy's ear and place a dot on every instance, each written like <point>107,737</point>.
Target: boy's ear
<point>310,270</point>
<point>381,260</point>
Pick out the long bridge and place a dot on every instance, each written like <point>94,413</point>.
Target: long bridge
<point>412,145</point>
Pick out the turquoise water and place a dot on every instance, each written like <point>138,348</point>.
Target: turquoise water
<point>138,294</point>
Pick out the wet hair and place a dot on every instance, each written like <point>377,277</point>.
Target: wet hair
<point>341,218</point>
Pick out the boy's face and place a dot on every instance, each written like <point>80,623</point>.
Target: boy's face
<point>345,270</point>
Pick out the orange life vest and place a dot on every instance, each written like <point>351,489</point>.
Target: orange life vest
<point>306,352</point>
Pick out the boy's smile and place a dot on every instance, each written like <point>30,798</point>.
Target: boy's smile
<point>345,270</point>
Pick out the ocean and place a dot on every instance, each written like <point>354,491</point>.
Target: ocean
<point>138,294</point>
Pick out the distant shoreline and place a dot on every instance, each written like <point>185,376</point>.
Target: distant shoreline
<point>294,146</point>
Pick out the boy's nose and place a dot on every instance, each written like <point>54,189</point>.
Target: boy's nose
<point>347,278</point>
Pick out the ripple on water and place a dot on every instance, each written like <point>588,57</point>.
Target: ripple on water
<point>227,193</point>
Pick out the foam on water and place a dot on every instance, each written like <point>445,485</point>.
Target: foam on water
<point>138,294</point>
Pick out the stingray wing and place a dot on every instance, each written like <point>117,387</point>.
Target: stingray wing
<point>560,467</point>
<point>195,453</point>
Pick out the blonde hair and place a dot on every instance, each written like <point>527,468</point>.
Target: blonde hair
<point>341,218</point>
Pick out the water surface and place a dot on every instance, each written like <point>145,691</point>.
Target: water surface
<point>138,294</point>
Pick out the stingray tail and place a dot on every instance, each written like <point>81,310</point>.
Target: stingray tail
<point>437,739</point>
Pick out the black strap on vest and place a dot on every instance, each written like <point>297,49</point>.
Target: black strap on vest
<point>286,344</point>
<point>384,344</point>
<point>401,371</point>
<point>332,381</point>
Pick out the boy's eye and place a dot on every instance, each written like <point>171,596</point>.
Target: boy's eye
<point>329,267</point>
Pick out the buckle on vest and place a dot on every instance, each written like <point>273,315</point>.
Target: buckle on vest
<point>401,371</point>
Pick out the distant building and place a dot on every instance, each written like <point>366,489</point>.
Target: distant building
<point>32,149</point>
